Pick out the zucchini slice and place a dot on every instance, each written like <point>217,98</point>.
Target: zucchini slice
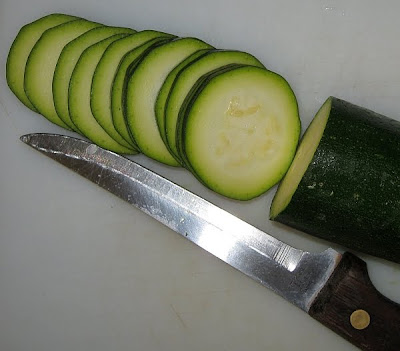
<point>240,131</point>
<point>21,48</point>
<point>344,182</point>
<point>79,97</point>
<point>104,76</point>
<point>142,90</point>
<point>66,63</point>
<point>187,78</point>
<point>166,88</point>
<point>42,62</point>
<point>126,67</point>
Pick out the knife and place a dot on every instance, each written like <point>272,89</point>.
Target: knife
<point>332,288</point>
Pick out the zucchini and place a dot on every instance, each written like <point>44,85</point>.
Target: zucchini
<point>187,77</point>
<point>21,48</point>
<point>163,94</point>
<point>66,63</point>
<point>103,79</point>
<point>126,67</point>
<point>218,113</point>
<point>142,90</point>
<point>79,97</point>
<point>42,62</point>
<point>344,183</point>
<point>240,131</point>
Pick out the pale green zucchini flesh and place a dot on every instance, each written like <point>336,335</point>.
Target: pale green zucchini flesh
<point>22,47</point>
<point>66,63</point>
<point>42,62</point>
<point>241,132</point>
<point>79,97</point>
<point>142,91</point>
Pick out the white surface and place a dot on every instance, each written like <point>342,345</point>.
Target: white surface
<point>82,270</point>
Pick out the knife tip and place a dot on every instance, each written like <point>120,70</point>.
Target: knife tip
<point>25,138</point>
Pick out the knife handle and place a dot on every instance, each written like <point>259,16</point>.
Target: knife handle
<point>351,306</point>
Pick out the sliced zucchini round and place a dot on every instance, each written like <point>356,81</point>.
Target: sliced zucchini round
<point>79,97</point>
<point>104,76</point>
<point>241,131</point>
<point>22,47</point>
<point>126,67</point>
<point>166,88</point>
<point>142,90</point>
<point>66,63</point>
<point>42,62</point>
<point>186,79</point>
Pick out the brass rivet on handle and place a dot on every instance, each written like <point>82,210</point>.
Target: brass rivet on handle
<point>360,319</point>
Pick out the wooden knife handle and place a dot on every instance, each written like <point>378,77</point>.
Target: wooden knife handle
<point>351,306</point>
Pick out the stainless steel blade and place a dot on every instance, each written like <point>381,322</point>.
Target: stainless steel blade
<point>296,275</point>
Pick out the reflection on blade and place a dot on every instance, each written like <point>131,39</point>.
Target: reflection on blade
<point>294,274</point>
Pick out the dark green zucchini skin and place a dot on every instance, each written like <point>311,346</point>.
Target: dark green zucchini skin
<point>350,192</point>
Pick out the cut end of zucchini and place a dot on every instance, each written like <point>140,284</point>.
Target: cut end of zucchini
<point>301,160</point>
<point>242,131</point>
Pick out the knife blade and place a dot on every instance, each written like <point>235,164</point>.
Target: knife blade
<point>334,289</point>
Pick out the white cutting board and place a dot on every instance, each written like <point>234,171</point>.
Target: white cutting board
<point>82,270</point>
